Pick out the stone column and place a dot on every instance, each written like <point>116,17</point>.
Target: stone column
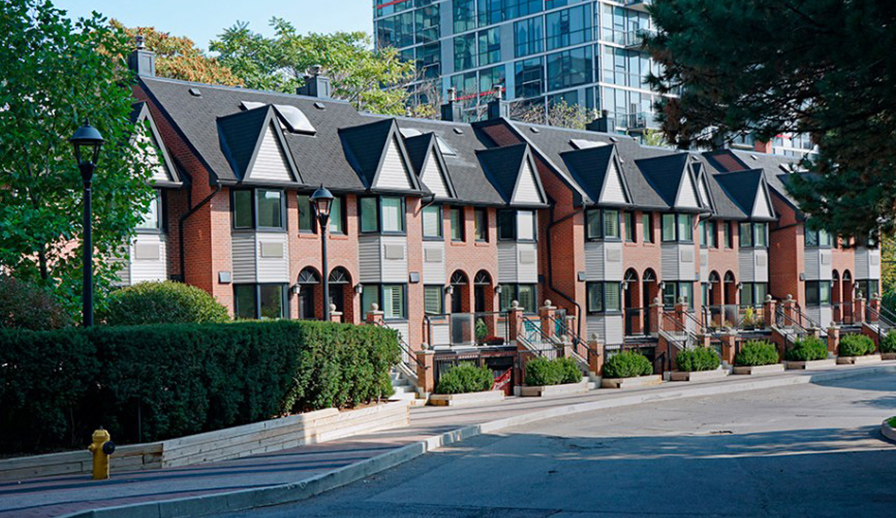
<point>425,371</point>
<point>874,304</point>
<point>788,306</point>
<point>680,309</point>
<point>515,321</point>
<point>728,347</point>
<point>547,314</point>
<point>833,340</point>
<point>769,308</point>
<point>374,315</point>
<point>858,312</point>
<point>596,361</point>
<point>704,340</point>
<point>335,316</point>
<point>656,316</point>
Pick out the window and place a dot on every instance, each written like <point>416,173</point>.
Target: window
<point>528,36</point>
<point>673,291</point>
<point>753,293</point>
<point>306,214</point>
<point>668,227</point>
<point>392,214</point>
<point>602,224</point>
<point>370,294</point>
<point>259,301</point>
<point>489,47</point>
<point>819,238</point>
<point>746,235</point>
<point>506,225</point>
<point>432,300</point>
<point>525,294</point>
<point>528,77</point>
<point>369,218</point>
<point>604,297</point>
<point>611,224</point>
<point>337,216</point>
<point>568,27</point>
<point>570,68</point>
<point>432,221</point>
<point>760,235</point>
<point>704,238</point>
<point>152,219</point>
<point>391,298</point>
<point>463,15</point>
<point>685,228</point>
<point>629,226</point>
<point>713,234</point>
<point>729,235</point>
<point>242,209</point>
<point>818,293</point>
<point>269,205</point>
<point>480,222</point>
<point>457,224</point>
<point>647,230</point>
<point>525,230</point>
<point>465,52</point>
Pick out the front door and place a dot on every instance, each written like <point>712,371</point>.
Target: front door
<point>479,294</point>
<point>646,298</point>
<point>630,313</point>
<point>336,296</point>
<point>306,303</point>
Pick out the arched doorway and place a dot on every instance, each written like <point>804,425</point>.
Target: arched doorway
<point>714,302</point>
<point>847,287</point>
<point>836,296</point>
<point>729,293</point>
<point>650,290</point>
<point>460,296</point>
<point>307,282</point>
<point>340,287</point>
<point>633,311</point>
<point>483,292</point>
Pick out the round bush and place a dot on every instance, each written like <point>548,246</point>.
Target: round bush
<point>162,303</point>
<point>627,364</point>
<point>808,349</point>
<point>699,359</point>
<point>464,378</point>
<point>888,344</point>
<point>755,353</point>
<point>26,306</point>
<point>542,371</point>
<point>856,345</point>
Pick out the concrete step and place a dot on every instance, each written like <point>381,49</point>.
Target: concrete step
<point>403,389</point>
<point>403,396</point>
<point>400,382</point>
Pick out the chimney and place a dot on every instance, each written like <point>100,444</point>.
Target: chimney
<point>315,84</point>
<point>142,61</point>
<point>497,108</point>
<point>763,147</point>
<point>450,110</point>
<point>600,124</point>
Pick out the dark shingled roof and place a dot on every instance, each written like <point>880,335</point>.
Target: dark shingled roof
<point>364,146</point>
<point>503,166</point>
<point>589,167</point>
<point>742,187</point>
<point>240,133</point>
<point>417,148</point>
<point>665,174</point>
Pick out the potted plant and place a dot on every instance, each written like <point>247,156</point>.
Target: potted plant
<point>856,349</point>
<point>697,364</point>
<point>546,377</point>
<point>807,354</point>
<point>888,428</point>
<point>481,331</point>
<point>757,357</point>
<point>465,384</point>
<point>493,340</point>
<point>749,320</point>
<point>628,369</point>
<point>888,346</point>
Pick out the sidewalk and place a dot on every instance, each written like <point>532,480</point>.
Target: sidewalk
<point>312,469</point>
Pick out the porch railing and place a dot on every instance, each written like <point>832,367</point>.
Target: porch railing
<point>467,329</point>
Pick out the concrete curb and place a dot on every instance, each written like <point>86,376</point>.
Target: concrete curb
<point>293,492</point>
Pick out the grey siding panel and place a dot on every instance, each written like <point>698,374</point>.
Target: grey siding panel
<point>369,261</point>
<point>862,263</point>
<point>441,334</point>
<point>687,197</point>
<point>826,266</point>
<point>812,264</point>
<point>613,329</point>
<point>760,263</point>
<point>272,257</point>
<point>243,257</point>
<point>527,254</point>
<point>745,263</point>
<point>612,190</point>
<point>613,261</point>
<point>434,262</point>
<point>826,315</point>
<point>594,261</point>
<point>394,252</point>
<point>507,263</point>
<point>402,328</point>
<point>394,172</point>
<point>595,325</point>
<point>148,267</point>
<point>271,162</point>
<point>704,265</point>
<point>687,262</point>
<point>124,271</point>
<point>433,178</point>
<point>526,189</point>
<point>669,262</point>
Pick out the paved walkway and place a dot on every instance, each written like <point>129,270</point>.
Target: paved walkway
<point>61,495</point>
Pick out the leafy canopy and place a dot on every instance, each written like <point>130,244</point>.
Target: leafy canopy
<point>820,67</point>
<point>54,73</point>
<point>373,80</point>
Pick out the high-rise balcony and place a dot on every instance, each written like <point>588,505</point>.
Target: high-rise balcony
<point>639,5</point>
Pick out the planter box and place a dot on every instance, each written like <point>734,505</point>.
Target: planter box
<point>698,375</point>
<point>640,381</point>
<point>469,398</point>
<point>555,390</point>
<point>759,370</point>
<point>811,365</point>
<point>888,356</point>
<point>888,431</point>
<point>858,360</point>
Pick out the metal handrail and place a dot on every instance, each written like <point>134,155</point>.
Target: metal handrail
<point>431,319</point>
<point>687,334</point>
<point>576,339</point>
<point>403,346</point>
<point>535,325</point>
<point>880,317</point>
<point>803,316</point>
<point>799,332</point>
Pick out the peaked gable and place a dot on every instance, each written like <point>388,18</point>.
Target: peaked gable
<point>271,162</point>
<point>254,145</point>
<point>164,174</point>
<point>393,171</point>
<point>511,171</point>
<point>762,207</point>
<point>614,189</point>
<point>527,190</point>
<point>434,178</point>
<point>378,155</point>
<point>749,191</point>
<point>426,158</point>
<point>687,192</point>
<point>667,174</point>
<point>705,196</point>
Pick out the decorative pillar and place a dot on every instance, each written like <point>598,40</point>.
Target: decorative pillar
<point>425,371</point>
<point>656,316</point>
<point>788,306</point>
<point>874,304</point>
<point>374,315</point>
<point>547,314</point>
<point>596,361</point>
<point>769,308</point>
<point>335,316</point>
<point>729,345</point>
<point>680,309</point>
<point>833,340</point>
<point>514,321</point>
<point>858,312</point>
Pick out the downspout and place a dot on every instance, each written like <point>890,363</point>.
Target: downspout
<point>183,219</point>
<point>578,306</point>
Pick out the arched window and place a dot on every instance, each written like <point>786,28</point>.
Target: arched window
<point>339,276</point>
<point>649,275</point>
<point>308,276</point>
<point>714,277</point>
<point>729,278</point>
<point>631,276</point>
<point>482,278</point>
<point>459,278</point>
<point>835,276</point>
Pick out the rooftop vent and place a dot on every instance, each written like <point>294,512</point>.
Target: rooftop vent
<point>195,92</point>
<point>534,130</point>
<point>320,106</point>
<point>459,131</point>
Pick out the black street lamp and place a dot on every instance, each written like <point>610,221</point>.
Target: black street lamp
<point>322,199</point>
<point>87,142</point>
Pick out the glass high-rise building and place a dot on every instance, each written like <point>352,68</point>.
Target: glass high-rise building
<point>586,52</point>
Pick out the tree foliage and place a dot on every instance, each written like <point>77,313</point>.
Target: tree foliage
<point>372,80</point>
<point>54,73</point>
<point>559,114</point>
<point>178,57</point>
<point>819,67</point>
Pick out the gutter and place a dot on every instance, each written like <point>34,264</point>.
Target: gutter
<point>578,306</point>
<point>183,219</point>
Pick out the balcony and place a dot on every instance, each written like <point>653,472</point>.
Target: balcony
<point>634,40</point>
<point>639,5</point>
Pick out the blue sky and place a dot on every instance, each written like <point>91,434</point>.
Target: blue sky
<point>202,21</point>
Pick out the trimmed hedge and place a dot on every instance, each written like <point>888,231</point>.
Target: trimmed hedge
<point>808,349</point>
<point>888,344</point>
<point>627,364</point>
<point>856,345</point>
<point>755,353</point>
<point>698,359</point>
<point>162,303</point>
<point>27,306</point>
<point>181,379</point>
<point>541,371</point>
<point>464,378</point>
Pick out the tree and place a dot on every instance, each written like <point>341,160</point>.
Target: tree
<point>559,114</point>
<point>825,68</point>
<point>373,80</point>
<point>54,73</point>
<point>178,57</point>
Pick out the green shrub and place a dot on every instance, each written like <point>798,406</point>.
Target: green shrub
<point>162,303</point>
<point>464,378</point>
<point>698,359</point>
<point>888,344</point>
<point>808,349</point>
<point>627,364</point>
<point>181,378</point>
<point>27,306</point>
<point>892,422</point>
<point>542,371</point>
<point>856,345</point>
<point>755,353</point>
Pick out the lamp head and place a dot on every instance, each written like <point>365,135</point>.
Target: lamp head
<point>87,142</point>
<point>323,202</point>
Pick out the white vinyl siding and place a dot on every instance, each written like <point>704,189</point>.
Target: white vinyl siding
<point>272,258</point>
<point>243,257</point>
<point>153,159</point>
<point>526,187</point>
<point>434,262</point>
<point>603,261</point>
<point>704,191</point>
<point>433,178</point>
<point>148,259</point>
<point>608,328</point>
<point>394,252</point>
<point>818,264</point>
<point>687,196</point>
<point>507,263</point>
<point>762,205</point>
<point>393,173</point>
<point>369,260</point>
<point>612,191</point>
<point>678,262</point>
<point>271,162</point>
<point>867,263</point>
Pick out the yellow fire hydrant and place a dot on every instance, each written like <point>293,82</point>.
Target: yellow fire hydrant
<point>101,449</point>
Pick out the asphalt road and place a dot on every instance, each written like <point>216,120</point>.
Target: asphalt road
<point>805,450</point>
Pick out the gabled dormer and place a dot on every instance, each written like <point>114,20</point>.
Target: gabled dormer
<point>429,164</point>
<point>377,153</point>
<point>598,171</point>
<point>703,189</point>
<point>750,192</point>
<point>256,149</point>
<point>673,179</point>
<point>164,174</point>
<point>512,171</point>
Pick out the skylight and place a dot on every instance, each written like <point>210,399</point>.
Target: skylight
<point>250,105</point>
<point>585,144</point>
<point>294,119</point>
<point>444,147</point>
<point>409,132</point>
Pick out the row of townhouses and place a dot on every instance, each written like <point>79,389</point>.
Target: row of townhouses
<point>449,229</point>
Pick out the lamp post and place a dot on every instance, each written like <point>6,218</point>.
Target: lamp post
<point>322,199</point>
<point>87,142</point>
